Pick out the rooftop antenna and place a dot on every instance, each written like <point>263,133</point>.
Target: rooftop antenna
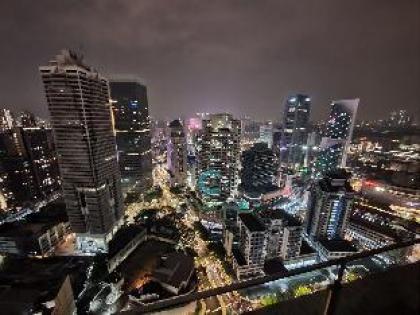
<point>81,51</point>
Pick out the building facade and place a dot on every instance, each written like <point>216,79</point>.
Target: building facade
<point>79,104</point>
<point>6,119</point>
<point>249,258</point>
<point>17,184</point>
<point>284,234</point>
<point>266,134</point>
<point>218,157</point>
<point>132,126</point>
<point>338,135</point>
<point>40,148</point>
<point>295,127</point>
<point>259,168</point>
<point>329,208</point>
<point>177,154</point>
<point>28,166</point>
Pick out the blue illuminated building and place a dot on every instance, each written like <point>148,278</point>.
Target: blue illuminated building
<point>209,185</point>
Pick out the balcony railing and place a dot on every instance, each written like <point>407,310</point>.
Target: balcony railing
<point>325,279</point>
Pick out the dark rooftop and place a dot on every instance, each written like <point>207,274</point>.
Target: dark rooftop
<point>338,174</point>
<point>273,266</point>
<point>338,245</point>
<point>23,229</point>
<point>174,269</point>
<point>240,259</point>
<point>123,237</point>
<point>37,223</point>
<point>257,191</point>
<point>280,215</point>
<point>397,235</point>
<point>328,184</point>
<point>252,222</point>
<point>306,249</point>
<point>175,124</point>
<point>43,276</point>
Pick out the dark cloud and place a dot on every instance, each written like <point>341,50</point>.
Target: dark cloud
<point>242,56</point>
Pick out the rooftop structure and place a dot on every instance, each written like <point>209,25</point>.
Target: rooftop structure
<point>252,223</point>
<point>174,272</point>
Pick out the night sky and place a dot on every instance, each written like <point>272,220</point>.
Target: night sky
<point>239,56</point>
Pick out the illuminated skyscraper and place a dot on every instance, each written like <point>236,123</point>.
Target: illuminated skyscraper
<point>132,126</point>
<point>6,119</point>
<point>28,165</point>
<point>177,154</point>
<point>266,134</point>
<point>17,182</point>
<point>79,104</point>
<point>40,149</point>
<point>219,149</point>
<point>338,135</point>
<point>295,128</point>
<point>259,169</point>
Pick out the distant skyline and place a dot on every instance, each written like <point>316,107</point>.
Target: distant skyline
<point>244,57</point>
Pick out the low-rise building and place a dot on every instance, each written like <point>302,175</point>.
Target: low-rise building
<point>332,249</point>
<point>174,272</point>
<point>41,286</point>
<point>38,234</point>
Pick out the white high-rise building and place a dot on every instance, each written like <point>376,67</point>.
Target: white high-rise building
<point>284,234</point>
<point>249,258</point>
<point>80,109</point>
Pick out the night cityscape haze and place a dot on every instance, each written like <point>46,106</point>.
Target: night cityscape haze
<point>210,157</point>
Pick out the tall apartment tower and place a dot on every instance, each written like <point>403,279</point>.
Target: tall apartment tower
<point>338,135</point>
<point>219,155</point>
<point>284,234</point>
<point>295,127</point>
<point>79,104</point>
<point>40,148</point>
<point>177,154</point>
<point>17,184</point>
<point>329,207</point>
<point>132,125</point>
<point>251,254</point>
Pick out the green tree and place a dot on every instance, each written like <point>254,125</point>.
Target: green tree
<point>302,290</point>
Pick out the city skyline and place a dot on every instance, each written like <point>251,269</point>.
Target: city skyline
<point>210,157</point>
<point>196,59</point>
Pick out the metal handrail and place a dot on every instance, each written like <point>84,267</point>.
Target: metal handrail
<point>342,261</point>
